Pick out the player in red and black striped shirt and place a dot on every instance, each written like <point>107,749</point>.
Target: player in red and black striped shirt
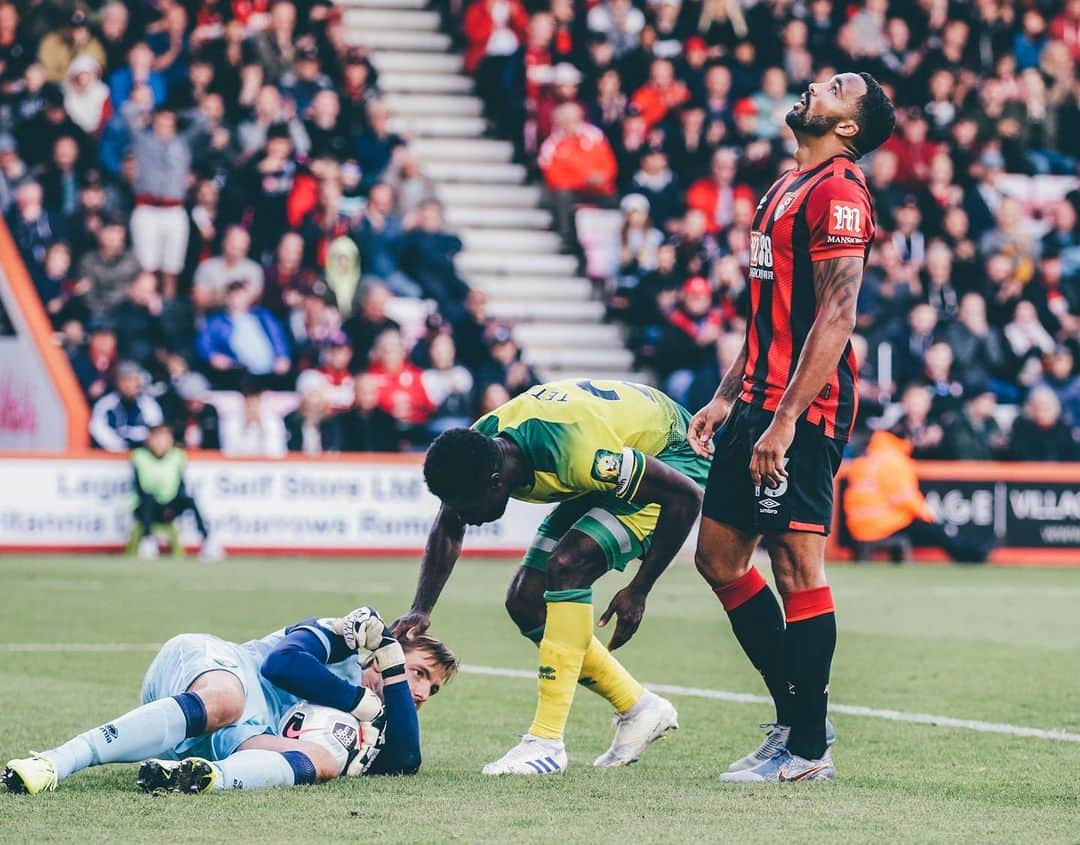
<point>787,406</point>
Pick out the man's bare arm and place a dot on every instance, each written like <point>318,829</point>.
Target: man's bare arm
<point>705,422</point>
<point>441,553</point>
<point>732,382</point>
<point>836,287</point>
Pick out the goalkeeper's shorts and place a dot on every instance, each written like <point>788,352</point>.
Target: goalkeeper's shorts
<point>183,659</point>
<point>622,529</point>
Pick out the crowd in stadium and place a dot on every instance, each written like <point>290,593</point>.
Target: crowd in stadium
<point>208,197</point>
<point>671,113</point>
<point>210,203</point>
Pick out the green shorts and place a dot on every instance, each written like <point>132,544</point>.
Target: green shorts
<point>622,529</point>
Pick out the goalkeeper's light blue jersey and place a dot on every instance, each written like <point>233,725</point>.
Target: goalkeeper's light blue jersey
<point>253,654</point>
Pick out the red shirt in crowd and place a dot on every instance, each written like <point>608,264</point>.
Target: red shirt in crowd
<point>655,102</point>
<point>569,160</point>
<point>402,394</point>
<point>479,26</point>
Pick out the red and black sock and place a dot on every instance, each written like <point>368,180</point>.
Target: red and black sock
<point>759,627</point>
<point>809,642</point>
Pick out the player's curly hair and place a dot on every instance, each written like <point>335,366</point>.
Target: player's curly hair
<point>875,116</point>
<point>459,463</point>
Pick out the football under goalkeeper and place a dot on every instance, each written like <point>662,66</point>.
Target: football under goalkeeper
<point>212,709</point>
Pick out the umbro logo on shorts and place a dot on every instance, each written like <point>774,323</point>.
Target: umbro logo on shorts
<point>768,506</point>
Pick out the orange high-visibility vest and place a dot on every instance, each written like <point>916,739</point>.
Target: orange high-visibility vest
<point>883,496</point>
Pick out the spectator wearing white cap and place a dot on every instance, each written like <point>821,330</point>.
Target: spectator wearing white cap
<point>86,97</point>
<point>639,239</point>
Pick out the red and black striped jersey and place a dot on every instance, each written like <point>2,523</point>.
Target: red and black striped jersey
<point>807,215</point>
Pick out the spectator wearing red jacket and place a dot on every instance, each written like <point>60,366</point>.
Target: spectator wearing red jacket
<point>1066,27</point>
<point>914,151</point>
<point>578,166</point>
<point>400,385</point>
<point>494,30</point>
<point>715,195</point>
<point>661,93</point>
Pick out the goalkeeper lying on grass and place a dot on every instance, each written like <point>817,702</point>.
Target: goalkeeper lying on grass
<point>213,710</point>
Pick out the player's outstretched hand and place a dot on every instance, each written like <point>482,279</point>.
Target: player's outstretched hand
<point>411,624</point>
<point>363,630</point>
<point>704,424</point>
<point>628,606</point>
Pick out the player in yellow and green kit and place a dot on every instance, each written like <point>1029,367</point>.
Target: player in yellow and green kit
<point>614,456</point>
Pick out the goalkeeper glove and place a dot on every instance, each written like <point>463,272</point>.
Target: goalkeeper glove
<point>390,658</point>
<point>362,629</point>
<point>368,745</point>
<point>368,706</point>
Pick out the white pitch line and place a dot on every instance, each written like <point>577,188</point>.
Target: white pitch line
<point>847,709</point>
<point>82,648</point>
<point>670,689</point>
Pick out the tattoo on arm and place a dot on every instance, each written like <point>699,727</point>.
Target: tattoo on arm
<point>731,384</point>
<point>836,285</point>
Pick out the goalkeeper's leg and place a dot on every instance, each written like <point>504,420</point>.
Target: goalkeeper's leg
<point>215,699</point>
<point>600,671</point>
<point>261,762</point>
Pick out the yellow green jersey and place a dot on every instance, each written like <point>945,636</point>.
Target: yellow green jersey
<point>582,436</point>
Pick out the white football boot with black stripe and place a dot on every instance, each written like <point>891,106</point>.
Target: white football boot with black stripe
<point>532,756</point>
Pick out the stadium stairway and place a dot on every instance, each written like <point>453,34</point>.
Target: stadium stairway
<point>510,251</point>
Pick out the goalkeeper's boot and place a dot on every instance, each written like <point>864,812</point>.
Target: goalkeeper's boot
<point>190,775</point>
<point>785,767</point>
<point>774,741</point>
<point>148,548</point>
<point>158,776</point>
<point>650,719</point>
<point>30,775</point>
<point>531,756</point>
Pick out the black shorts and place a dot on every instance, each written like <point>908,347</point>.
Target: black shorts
<point>802,502</point>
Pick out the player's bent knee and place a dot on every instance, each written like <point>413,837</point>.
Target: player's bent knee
<point>566,570</point>
<point>222,695</point>
<point>718,570</point>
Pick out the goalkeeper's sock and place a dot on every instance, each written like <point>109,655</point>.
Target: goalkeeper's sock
<point>144,732</point>
<point>562,650</point>
<point>809,642</point>
<point>602,673</point>
<point>758,624</point>
<point>257,768</point>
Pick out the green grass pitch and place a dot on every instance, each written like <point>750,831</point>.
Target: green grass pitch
<point>998,645</point>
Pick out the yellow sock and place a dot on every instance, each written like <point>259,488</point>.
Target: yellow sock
<point>566,639</point>
<point>607,677</point>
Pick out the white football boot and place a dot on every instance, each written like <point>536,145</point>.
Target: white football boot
<point>531,756</point>
<point>148,548</point>
<point>775,740</point>
<point>650,719</point>
<point>785,767</point>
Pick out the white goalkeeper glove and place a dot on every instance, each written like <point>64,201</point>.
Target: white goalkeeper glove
<point>362,629</point>
<point>369,743</point>
<point>368,706</point>
<point>390,658</point>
